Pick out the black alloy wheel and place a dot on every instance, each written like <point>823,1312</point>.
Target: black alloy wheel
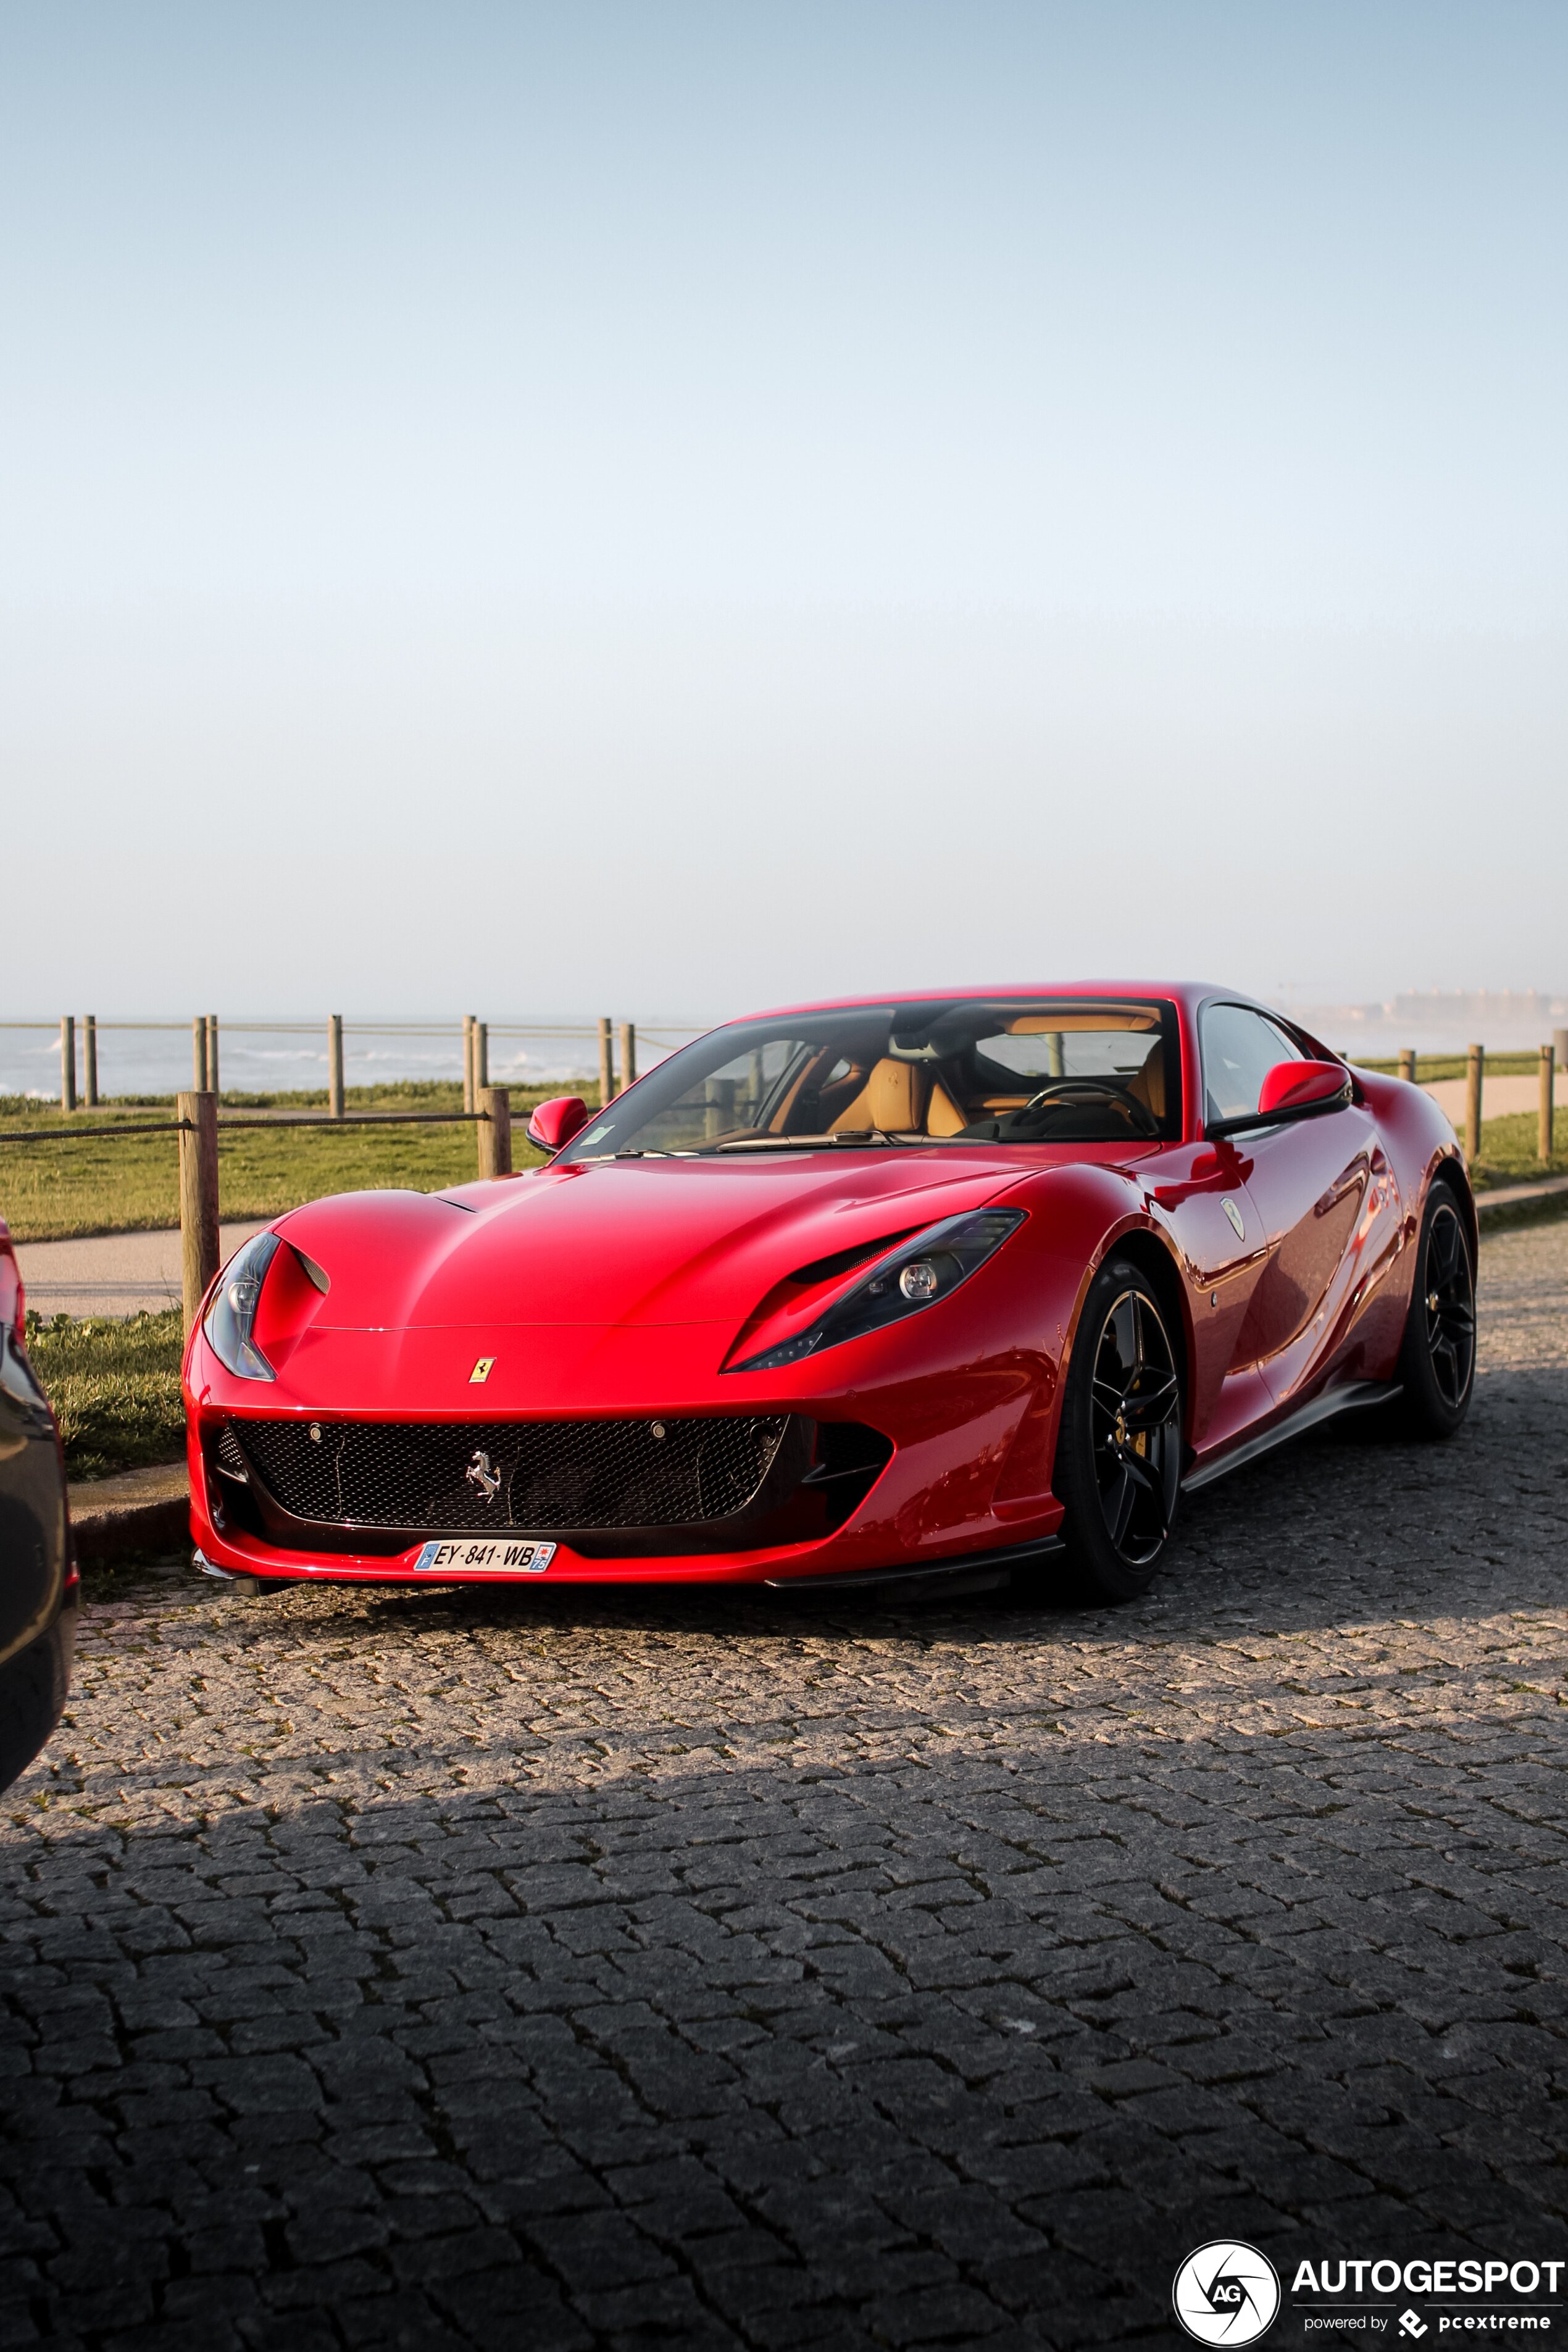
<point>1438,1360</point>
<point>1120,1451</point>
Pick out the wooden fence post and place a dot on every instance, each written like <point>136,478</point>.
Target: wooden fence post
<point>212,1053</point>
<point>1548,1076</point>
<point>606,1064</point>
<point>199,1054</point>
<point>629,1054</point>
<point>1407,1064</point>
<point>197,1114</point>
<point>68,1061</point>
<point>468,1102</point>
<point>1475,1068</point>
<point>335,1066</point>
<point>481,1057</point>
<point>495,1131</point>
<point>89,1056</point>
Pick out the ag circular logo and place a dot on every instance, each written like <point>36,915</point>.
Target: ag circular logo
<point>1226,2293</point>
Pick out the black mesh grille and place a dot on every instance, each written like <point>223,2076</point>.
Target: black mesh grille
<point>229,1456</point>
<point>536,1475</point>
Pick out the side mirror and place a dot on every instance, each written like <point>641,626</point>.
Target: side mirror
<point>554,1123</point>
<point>1291,1091</point>
<point>1296,1089</point>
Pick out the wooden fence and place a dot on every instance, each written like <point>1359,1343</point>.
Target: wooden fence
<point>80,1076</point>
<point>1552,1058</point>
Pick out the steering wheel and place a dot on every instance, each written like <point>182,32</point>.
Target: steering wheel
<point>1120,1095</point>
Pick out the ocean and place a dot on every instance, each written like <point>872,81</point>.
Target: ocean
<point>153,1057</point>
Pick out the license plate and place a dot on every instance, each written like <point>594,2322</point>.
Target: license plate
<point>501,1559</point>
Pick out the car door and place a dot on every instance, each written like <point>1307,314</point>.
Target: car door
<point>1309,1180</point>
<point>1200,1196</point>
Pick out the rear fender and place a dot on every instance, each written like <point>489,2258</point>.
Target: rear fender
<point>1416,1135</point>
<point>1447,1167</point>
<point>1423,1150</point>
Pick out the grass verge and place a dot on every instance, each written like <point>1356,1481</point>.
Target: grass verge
<point>1431,1070</point>
<point>1508,1152</point>
<point>114,1386</point>
<point>91,1182</point>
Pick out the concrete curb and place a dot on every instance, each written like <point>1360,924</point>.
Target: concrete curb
<point>139,1512</point>
<point>1512,1203</point>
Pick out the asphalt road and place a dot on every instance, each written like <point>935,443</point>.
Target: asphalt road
<point>517,1970</point>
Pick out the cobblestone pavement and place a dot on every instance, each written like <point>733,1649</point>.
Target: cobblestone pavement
<point>525,1971</point>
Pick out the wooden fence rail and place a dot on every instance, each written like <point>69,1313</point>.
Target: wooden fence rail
<point>475,1049</point>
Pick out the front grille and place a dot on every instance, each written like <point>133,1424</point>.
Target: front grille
<point>539,1476</point>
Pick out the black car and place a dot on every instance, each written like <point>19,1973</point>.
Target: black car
<point>38,1583</point>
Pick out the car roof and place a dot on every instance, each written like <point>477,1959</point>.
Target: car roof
<point>1188,994</point>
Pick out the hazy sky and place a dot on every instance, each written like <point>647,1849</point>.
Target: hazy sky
<point>662,509</point>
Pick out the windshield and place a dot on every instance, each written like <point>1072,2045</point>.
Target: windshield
<point>1009,1070</point>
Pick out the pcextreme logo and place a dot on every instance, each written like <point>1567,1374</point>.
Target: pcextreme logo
<point>1226,2293</point>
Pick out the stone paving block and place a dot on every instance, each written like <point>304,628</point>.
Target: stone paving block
<point>779,2311</point>
<point>166,2334</point>
<point>220,2299</point>
<point>412,2323</point>
<point>512,2304</point>
<point>302,2325</point>
<point>666,2310</point>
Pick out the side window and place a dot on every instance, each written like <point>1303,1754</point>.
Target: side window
<point>1239,1049</point>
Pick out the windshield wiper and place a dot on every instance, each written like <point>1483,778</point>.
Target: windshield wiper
<point>852,1136</point>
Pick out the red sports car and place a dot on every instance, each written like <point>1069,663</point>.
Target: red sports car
<point>900,1286</point>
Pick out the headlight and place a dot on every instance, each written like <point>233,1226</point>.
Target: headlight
<point>915,1275</point>
<point>231,1317</point>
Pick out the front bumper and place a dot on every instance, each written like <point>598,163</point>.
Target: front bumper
<point>965,1408</point>
<point>800,1486</point>
<point>909,1516</point>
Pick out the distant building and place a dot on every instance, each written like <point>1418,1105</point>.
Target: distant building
<point>1435,1019</point>
<point>1482,1012</point>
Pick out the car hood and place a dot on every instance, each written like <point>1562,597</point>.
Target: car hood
<point>623,1241</point>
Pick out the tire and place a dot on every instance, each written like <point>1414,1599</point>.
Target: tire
<point>1438,1355</point>
<point>1119,1451</point>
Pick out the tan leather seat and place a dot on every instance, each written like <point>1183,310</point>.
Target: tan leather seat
<point>1148,1085</point>
<point>902,1099</point>
<point>943,1114</point>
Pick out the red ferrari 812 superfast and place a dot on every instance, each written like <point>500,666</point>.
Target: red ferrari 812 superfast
<point>908,1286</point>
